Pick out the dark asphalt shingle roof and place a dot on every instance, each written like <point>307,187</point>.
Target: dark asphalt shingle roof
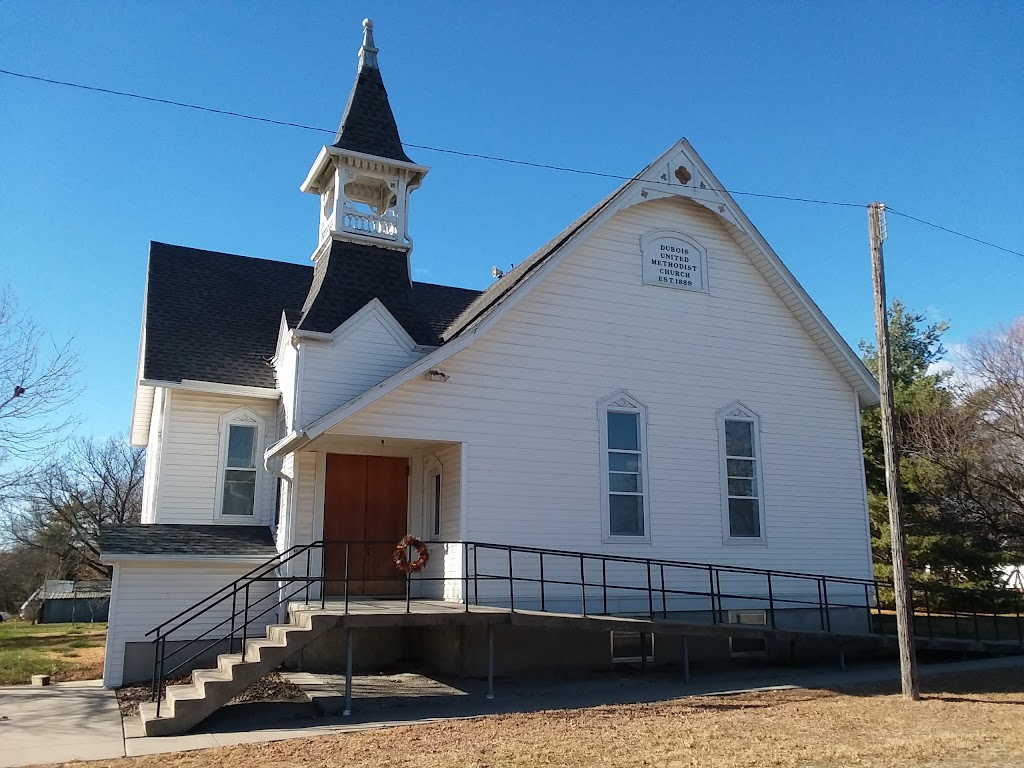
<point>229,540</point>
<point>368,124</point>
<point>214,316</point>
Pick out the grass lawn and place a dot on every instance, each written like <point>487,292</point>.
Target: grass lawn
<point>963,720</point>
<point>66,651</point>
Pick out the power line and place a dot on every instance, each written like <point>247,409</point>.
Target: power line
<point>953,231</point>
<point>481,156</point>
<point>444,150</point>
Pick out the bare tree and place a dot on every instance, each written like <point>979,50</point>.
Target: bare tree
<point>978,442</point>
<point>22,570</point>
<point>38,380</point>
<point>994,363</point>
<point>68,499</point>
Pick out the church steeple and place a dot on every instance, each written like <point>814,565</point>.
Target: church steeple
<point>364,178</point>
<point>368,125</point>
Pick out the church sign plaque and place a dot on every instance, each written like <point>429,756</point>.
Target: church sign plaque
<point>673,260</point>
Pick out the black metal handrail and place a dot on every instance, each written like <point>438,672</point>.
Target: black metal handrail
<point>311,579</point>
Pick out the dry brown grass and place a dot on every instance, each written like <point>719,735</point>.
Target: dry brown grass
<point>65,651</point>
<point>80,664</point>
<point>969,720</point>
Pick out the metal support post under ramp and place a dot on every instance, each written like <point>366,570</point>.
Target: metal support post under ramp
<point>348,672</point>
<point>490,661</point>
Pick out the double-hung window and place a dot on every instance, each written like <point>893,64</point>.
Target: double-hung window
<point>239,472</point>
<point>743,498</point>
<point>623,432</point>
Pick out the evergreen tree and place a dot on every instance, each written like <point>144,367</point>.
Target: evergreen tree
<point>943,544</point>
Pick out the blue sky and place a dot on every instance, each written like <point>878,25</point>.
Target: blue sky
<point>920,105</point>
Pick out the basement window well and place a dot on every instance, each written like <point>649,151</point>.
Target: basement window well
<point>748,646</point>
<point>632,647</point>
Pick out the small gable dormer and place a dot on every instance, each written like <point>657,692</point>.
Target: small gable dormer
<point>364,179</point>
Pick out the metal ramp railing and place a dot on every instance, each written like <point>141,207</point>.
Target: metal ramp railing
<point>576,583</point>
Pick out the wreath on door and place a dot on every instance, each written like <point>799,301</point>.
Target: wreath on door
<point>401,555</point>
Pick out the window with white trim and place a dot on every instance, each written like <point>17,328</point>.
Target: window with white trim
<point>741,474</point>
<point>238,477</point>
<point>623,423</point>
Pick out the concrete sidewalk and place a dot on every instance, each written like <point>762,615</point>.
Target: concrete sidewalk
<point>64,721</point>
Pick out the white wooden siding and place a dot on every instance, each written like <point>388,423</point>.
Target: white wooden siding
<point>524,398</point>
<point>287,504</point>
<point>189,460</point>
<point>332,373</point>
<point>305,498</point>
<point>147,594</point>
<point>151,471</point>
<point>446,560</point>
<point>285,365</point>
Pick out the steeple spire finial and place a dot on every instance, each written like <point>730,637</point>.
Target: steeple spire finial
<point>368,52</point>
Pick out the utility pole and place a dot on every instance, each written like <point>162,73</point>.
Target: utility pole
<point>901,585</point>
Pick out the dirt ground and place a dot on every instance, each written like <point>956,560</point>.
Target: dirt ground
<point>270,687</point>
<point>963,720</point>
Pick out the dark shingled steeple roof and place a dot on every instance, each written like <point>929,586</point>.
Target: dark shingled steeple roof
<point>368,125</point>
<point>350,275</point>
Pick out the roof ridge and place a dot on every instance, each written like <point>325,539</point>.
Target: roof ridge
<point>450,287</point>
<point>195,249</point>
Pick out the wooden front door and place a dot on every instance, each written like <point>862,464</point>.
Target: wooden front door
<point>366,500</point>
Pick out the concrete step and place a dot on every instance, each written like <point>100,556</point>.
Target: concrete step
<point>227,660</point>
<point>281,632</point>
<point>185,706</point>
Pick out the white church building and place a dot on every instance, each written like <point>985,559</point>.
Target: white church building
<point>652,383</point>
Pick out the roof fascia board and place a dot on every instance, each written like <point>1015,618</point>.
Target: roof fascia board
<point>390,384</point>
<point>490,315</point>
<point>463,339</point>
<point>118,557</point>
<point>790,280</point>
<point>484,320</point>
<point>287,444</point>
<point>284,337</point>
<point>310,185</point>
<point>504,303</point>
<point>142,415</point>
<point>138,429</point>
<point>214,388</point>
<point>415,167</point>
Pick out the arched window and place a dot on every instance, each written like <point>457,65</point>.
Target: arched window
<point>239,470</point>
<point>432,498</point>
<point>739,432</point>
<point>625,502</point>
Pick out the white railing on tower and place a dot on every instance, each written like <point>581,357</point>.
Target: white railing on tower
<point>383,225</point>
